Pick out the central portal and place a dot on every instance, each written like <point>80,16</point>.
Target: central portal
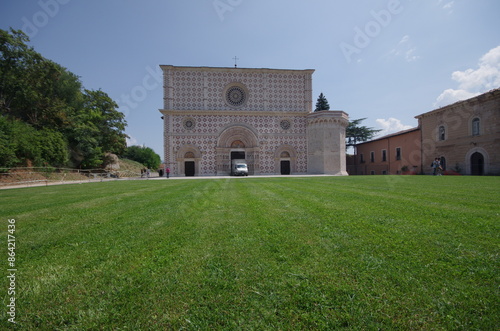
<point>237,155</point>
<point>237,142</point>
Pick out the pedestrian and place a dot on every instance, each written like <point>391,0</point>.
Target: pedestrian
<point>147,173</point>
<point>168,172</point>
<point>436,166</point>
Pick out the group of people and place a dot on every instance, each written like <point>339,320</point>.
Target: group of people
<point>437,169</point>
<point>147,173</point>
<point>167,172</point>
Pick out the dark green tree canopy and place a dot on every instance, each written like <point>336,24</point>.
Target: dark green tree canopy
<point>51,100</point>
<point>144,155</point>
<point>355,133</point>
<point>322,103</point>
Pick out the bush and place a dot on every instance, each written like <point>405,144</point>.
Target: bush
<point>23,145</point>
<point>144,155</point>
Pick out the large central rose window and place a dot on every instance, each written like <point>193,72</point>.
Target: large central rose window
<point>236,96</point>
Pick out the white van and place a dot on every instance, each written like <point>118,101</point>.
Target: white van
<point>239,168</point>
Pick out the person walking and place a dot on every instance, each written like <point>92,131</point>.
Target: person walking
<point>168,172</point>
<point>436,166</point>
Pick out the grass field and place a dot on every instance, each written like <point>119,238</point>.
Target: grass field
<point>395,253</point>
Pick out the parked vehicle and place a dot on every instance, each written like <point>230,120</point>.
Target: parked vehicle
<point>239,168</point>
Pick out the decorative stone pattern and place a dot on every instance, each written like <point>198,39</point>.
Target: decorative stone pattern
<point>270,90</point>
<point>210,113</point>
<point>205,135</point>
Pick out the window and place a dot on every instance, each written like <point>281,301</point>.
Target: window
<point>361,158</point>
<point>475,127</point>
<point>372,156</point>
<point>442,133</point>
<point>384,155</point>
<point>398,153</point>
<point>372,172</point>
<point>384,172</point>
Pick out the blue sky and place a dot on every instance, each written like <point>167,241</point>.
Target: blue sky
<point>386,60</point>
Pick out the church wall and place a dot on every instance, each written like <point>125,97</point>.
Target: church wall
<point>204,115</point>
<point>189,88</point>
<point>206,130</point>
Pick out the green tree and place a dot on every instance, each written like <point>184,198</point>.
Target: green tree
<point>51,100</point>
<point>355,133</point>
<point>144,155</point>
<point>33,89</point>
<point>108,121</point>
<point>322,103</point>
<point>22,145</point>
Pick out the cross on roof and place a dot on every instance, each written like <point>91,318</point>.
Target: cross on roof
<point>235,61</point>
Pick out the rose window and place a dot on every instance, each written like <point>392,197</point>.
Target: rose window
<point>189,124</point>
<point>235,96</point>
<point>285,124</point>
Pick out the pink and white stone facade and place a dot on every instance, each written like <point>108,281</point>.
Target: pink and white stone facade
<point>214,114</point>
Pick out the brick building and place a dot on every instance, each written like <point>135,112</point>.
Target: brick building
<point>465,135</point>
<point>388,155</point>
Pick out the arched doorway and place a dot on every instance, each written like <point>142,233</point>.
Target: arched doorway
<point>237,141</point>
<point>477,164</point>
<point>285,160</point>
<point>443,163</point>
<point>189,164</point>
<point>285,168</point>
<point>188,161</point>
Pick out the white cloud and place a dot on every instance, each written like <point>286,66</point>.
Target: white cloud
<point>472,82</point>
<point>405,49</point>
<point>131,141</point>
<point>390,125</point>
<point>449,5</point>
<point>446,5</point>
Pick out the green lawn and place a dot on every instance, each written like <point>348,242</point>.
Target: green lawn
<point>388,252</point>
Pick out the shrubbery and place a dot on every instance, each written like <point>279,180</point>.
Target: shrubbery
<point>144,155</point>
<point>47,117</point>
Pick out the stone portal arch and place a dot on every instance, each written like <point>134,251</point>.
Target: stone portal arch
<point>237,138</point>
<point>285,160</point>
<point>188,160</point>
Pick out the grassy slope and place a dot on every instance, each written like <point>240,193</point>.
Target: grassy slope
<point>278,253</point>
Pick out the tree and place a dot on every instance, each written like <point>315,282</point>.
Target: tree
<point>22,144</point>
<point>50,103</point>
<point>356,133</point>
<point>322,103</point>
<point>144,155</point>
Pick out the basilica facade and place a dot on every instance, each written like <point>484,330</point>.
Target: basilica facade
<point>264,116</point>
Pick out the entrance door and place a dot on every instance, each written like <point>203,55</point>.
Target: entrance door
<point>477,164</point>
<point>238,155</point>
<point>189,168</point>
<point>285,167</point>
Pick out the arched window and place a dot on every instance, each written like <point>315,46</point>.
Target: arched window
<point>442,133</point>
<point>475,127</point>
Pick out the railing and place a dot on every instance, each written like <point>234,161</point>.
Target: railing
<point>48,175</point>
